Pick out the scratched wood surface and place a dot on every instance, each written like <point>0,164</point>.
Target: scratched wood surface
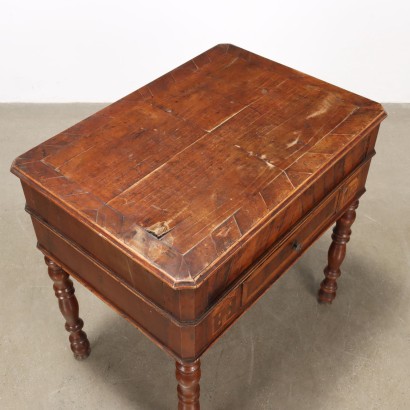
<point>185,170</point>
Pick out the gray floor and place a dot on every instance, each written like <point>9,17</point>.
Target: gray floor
<point>286,353</point>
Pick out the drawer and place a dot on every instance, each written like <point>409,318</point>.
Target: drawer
<point>283,255</point>
<point>268,268</point>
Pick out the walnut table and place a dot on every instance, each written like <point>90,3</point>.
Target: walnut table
<point>180,204</point>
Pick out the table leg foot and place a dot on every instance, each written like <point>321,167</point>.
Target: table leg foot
<point>64,291</point>
<point>337,252</point>
<point>188,375</point>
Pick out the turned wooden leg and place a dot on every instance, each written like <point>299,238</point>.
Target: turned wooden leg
<point>64,291</point>
<point>337,252</point>
<point>188,375</point>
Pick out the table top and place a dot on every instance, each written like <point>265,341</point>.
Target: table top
<point>185,169</point>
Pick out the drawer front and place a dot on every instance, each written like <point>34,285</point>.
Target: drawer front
<point>270,267</point>
<point>289,250</point>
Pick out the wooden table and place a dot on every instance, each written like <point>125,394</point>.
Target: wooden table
<point>180,204</point>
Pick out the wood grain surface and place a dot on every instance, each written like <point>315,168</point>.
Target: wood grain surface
<point>182,203</point>
<point>183,171</point>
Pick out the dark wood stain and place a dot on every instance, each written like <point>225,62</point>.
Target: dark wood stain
<point>180,204</point>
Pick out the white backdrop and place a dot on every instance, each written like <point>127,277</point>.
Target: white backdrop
<point>98,50</point>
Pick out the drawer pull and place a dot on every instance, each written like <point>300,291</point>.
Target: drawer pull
<point>296,246</point>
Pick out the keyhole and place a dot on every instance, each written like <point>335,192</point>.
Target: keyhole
<point>296,246</point>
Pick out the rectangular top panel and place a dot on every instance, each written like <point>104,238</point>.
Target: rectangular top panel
<point>194,162</point>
